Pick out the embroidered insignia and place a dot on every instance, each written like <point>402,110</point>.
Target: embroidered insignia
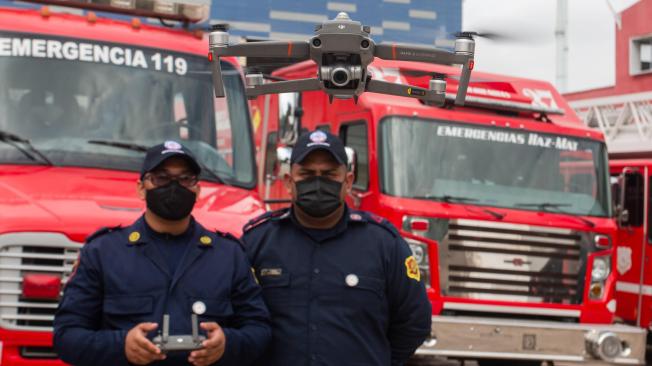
<point>412,268</point>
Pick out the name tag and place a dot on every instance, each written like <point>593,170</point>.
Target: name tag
<point>271,272</point>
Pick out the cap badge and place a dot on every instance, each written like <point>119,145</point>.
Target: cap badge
<point>134,236</point>
<point>318,136</point>
<point>172,145</point>
<point>355,217</point>
<point>206,240</point>
<point>351,280</point>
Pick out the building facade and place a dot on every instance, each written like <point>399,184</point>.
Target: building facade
<point>430,22</point>
<point>624,111</point>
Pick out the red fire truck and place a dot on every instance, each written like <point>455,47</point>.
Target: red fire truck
<point>81,95</point>
<point>505,203</point>
<point>632,175</point>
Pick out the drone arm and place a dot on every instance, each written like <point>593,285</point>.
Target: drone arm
<point>384,87</point>
<point>290,86</point>
<point>294,49</point>
<point>431,55</point>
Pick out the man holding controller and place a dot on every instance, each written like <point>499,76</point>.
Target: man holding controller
<point>165,263</point>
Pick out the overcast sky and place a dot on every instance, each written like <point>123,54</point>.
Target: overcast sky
<point>591,31</point>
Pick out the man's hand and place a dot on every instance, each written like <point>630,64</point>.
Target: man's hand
<point>213,346</point>
<point>138,348</point>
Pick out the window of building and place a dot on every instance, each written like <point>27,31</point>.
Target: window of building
<point>641,55</point>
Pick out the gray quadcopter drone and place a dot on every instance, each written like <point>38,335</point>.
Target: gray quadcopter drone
<point>342,50</point>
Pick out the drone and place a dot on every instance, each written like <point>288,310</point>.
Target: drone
<point>342,49</point>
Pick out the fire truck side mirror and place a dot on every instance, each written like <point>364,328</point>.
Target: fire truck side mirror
<point>283,154</point>
<point>351,158</point>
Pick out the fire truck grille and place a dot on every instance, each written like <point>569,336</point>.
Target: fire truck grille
<point>31,253</point>
<point>510,262</point>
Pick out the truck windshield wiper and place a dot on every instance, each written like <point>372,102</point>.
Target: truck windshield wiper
<point>556,208</point>
<point>11,139</point>
<point>120,144</point>
<point>143,148</point>
<point>446,198</point>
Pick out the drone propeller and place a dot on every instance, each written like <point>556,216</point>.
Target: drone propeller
<point>494,36</point>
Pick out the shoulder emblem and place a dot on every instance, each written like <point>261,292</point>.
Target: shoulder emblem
<point>265,217</point>
<point>364,216</point>
<point>412,268</point>
<point>102,231</point>
<point>227,235</point>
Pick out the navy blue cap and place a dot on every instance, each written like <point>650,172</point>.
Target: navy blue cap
<point>318,140</point>
<point>157,154</point>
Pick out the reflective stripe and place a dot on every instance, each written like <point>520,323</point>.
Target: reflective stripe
<point>633,288</point>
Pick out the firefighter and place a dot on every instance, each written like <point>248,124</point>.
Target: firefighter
<point>341,285</point>
<point>164,263</point>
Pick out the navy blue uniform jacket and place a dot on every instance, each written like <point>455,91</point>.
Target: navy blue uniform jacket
<point>122,280</point>
<point>342,297</point>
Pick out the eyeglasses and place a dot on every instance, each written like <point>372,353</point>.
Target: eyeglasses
<point>162,179</point>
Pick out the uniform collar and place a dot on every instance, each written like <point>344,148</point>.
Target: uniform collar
<point>140,233</point>
<point>200,240</point>
<point>329,233</point>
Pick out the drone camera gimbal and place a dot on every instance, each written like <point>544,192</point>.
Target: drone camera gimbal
<point>343,49</point>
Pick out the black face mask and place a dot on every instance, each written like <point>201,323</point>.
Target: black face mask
<point>318,196</point>
<point>171,202</point>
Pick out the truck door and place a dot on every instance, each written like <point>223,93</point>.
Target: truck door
<point>634,286</point>
<point>355,134</point>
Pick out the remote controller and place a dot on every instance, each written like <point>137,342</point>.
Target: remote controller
<point>173,343</point>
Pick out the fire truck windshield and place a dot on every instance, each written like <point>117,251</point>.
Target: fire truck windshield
<point>63,95</point>
<point>489,166</point>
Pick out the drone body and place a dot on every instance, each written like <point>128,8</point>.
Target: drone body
<point>342,50</point>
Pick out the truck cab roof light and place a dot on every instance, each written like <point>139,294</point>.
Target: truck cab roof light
<point>91,17</point>
<point>181,10</point>
<point>45,11</point>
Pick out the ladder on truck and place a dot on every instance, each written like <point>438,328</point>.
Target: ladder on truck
<point>625,120</point>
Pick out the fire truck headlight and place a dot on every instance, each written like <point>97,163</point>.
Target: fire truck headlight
<point>601,269</point>
<point>420,252</point>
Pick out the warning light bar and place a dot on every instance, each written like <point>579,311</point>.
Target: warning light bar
<point>192,11</point>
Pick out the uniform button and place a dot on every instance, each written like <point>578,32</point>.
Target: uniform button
<point>316,270</point>
<point>313,327</point>
<point>313,357</point>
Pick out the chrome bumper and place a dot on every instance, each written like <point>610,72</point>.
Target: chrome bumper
<point>472,338</point>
